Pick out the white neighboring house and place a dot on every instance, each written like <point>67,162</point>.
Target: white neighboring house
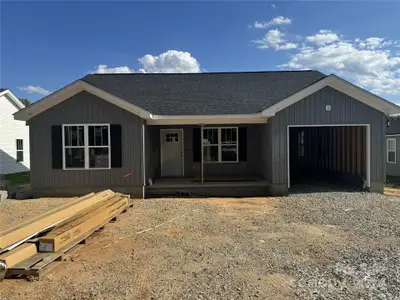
<point>14,136</point>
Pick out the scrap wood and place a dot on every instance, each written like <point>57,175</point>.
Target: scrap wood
<point>63,235</point>
<point>32,227</point>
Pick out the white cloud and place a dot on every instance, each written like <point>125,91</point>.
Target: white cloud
<point>372,63</point>
<point>286,46</point>
<point>374,43</point>
<point>273,6</point>
<point>30,89</point>
<point>371,68</point>
<point>275,39</point>
<point>103,69</point>
<point>172,61</point>
<point>323,37</point>
<point>275,21</point>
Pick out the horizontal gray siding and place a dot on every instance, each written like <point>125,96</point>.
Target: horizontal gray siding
<point>393,169</point>
<point>311,111</point>
<point>85,108</point>
<point>193,169</point>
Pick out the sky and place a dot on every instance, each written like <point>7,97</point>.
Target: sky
<point>47,45</point>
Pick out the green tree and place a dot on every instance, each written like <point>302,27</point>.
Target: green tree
<point>25,101</point>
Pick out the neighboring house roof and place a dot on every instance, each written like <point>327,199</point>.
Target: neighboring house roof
<point>394,126</point>
<point>14,100</point>
<point>204,93</point>
<point>207,96</point>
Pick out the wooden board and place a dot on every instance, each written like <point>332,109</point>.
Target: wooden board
<point>18,254</point>
<point>35,225</point>
<point>41,263</point>
<point>63,235</point>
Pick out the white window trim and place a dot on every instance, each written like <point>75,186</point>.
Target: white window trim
<point>387,151</point>
<point>219,145</point>
<point>86,146</point>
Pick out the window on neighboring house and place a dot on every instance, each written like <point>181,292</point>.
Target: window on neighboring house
<point>220,144</point>
<point>86,146</point>
<point>391,151</point>
<point>20,150</point>
<point>301,143</point>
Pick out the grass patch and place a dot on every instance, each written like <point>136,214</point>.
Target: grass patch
<point>18,178</point>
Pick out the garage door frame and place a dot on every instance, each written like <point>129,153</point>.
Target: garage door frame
<point>367,146</point>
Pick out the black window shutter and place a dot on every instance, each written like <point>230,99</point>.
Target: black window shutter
<point>242,144</point>
<point>116,145</point>
<point>196,145</point>
<point>56,146</point>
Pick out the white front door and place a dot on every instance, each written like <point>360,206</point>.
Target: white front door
<point>172,153</point>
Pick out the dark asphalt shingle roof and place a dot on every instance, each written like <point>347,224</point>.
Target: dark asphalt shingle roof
<point>394,127</point>
<point>2,90</point>
<point>205,93</point>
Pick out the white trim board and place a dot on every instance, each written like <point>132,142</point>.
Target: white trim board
<point>211,120</point>
<point>182,148</point>
<point>333,81</point>
<point>367,145</point>
<point>13,98</point>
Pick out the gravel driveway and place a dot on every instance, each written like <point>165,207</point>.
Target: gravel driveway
<point>305,246</point>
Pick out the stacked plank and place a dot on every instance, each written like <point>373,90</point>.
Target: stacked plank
<point>59,228</point>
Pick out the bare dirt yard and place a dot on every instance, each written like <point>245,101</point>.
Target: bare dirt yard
<point>337,245</point>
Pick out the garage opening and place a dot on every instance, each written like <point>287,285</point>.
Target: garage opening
<point>328,157</point>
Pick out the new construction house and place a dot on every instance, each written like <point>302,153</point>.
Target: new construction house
<point>227,134</point>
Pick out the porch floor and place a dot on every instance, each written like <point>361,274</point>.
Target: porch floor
<point>212,186</point>
<point>208,181</point>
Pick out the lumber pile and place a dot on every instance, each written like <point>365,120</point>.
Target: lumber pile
<point>56,232</point>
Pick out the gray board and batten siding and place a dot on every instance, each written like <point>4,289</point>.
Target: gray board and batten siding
<point>80,109</point>
<point>312,111</point>
<point>266,144</point>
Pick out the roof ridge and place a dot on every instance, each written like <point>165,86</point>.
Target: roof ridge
<point>206,73</point>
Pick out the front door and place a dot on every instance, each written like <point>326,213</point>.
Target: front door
<point>172,153</point>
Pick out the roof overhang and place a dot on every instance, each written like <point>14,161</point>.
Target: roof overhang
<point>207,119</point>
<point>332,81</point>
<point>341,85</point>
<point>13,98</point>
<point>71,90</point>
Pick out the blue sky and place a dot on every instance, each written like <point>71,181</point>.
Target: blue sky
<point>46,45</point>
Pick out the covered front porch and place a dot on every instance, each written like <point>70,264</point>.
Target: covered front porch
<point>205,160</point>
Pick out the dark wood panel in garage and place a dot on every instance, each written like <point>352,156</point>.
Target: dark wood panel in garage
<point>336,150</point>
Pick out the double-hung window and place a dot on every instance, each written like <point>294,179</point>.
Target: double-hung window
<point>220,144</point>
<point>86,146</point>
<point>20,150</point>
<point>391,151</point>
